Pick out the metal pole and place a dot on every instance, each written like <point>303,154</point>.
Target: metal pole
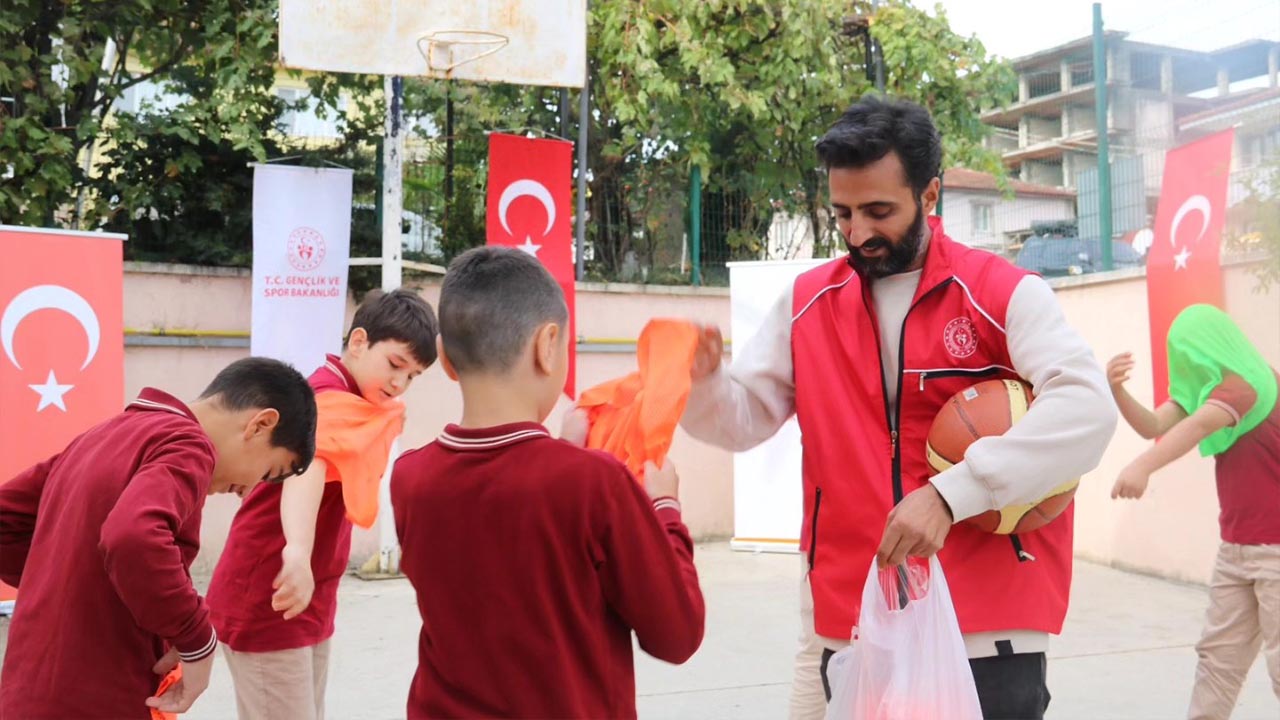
<point>1104,146</point>
<point>878,54</point>
<point>584,110</point>
<point>392,265</point>
<point>392,185</point>
<point>564,112</point>
<point>695,222</point>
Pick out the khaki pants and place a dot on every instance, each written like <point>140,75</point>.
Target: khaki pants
<point>1243,616</point>
<point>808,699</point>
<point>281,685</point>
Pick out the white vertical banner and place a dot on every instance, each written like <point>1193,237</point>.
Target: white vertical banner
<point>301,248</point>
<point>767,489</point>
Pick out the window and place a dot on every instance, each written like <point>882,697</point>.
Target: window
<point>300,117</point>
<point>981,218</point>
<point>1260,149</point>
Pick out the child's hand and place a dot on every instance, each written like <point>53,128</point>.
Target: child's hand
<point>575,427</point>
<point>1131,484</point>
<point>1118,369</point>
<point>181,696</point>
<point>662,481</point>
<point>294,585</point>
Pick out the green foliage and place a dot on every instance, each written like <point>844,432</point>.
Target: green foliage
<point>740,88</point>
<point>177,180</point>
<point>1253,225</point>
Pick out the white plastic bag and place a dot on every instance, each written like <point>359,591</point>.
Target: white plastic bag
<point>908,662</point>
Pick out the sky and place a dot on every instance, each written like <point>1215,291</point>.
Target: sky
<point>1013,28</point>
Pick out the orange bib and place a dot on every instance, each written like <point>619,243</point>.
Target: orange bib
<point>354,437</point>
<point>634,417</point>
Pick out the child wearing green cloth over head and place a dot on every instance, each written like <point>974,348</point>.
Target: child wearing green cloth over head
<point>1222,398</point>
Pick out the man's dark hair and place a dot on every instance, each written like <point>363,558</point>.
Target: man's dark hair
<point>262,383</point>
<point>492,301</point>
<point>400,315</point>
<point>873,127</point>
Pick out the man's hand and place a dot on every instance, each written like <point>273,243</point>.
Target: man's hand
<point>195,679</point>
<point>917,527</point>
<point>1131,484</point>
<point>575,427</point>
<point>662,481</point>
<point>710,350</point>
<point>294,585</point>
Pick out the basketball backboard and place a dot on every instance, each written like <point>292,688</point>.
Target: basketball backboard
<point>529,42</point>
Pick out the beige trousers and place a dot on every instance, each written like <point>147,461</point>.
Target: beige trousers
<point>808,699</point>
<point>1243,616</point>
<point>281,685</point>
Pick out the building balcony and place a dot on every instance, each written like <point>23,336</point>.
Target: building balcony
<point>1043,105</point>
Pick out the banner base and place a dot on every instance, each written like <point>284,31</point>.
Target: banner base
<point>769,545</point>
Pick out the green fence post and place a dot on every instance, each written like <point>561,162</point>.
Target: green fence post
<point>695,221</point>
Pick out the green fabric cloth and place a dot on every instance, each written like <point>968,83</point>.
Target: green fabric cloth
<point>1204,345</point>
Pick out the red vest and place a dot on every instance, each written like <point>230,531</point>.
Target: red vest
<point>855,468</point>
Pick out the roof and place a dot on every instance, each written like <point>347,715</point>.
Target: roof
<point>1232,105</point>
<point>1252,53</point>
<point>965,179</point>
<point>1086,42</point>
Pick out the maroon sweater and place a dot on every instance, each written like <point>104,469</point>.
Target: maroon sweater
<point>99,539</point>
<point>534,561</point>
<point>241,589</point>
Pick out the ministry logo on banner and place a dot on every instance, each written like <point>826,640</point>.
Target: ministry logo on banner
<point>301,248</point>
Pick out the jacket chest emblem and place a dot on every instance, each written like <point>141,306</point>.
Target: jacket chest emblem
<point>960,337</point>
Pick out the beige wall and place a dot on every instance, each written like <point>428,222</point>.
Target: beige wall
<point>160,297</point>
<point>1172,532</point>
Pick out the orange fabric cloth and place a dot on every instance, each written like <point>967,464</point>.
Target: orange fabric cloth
<point>354,437</point>
<point>634,417</point>
<point>167,682</point>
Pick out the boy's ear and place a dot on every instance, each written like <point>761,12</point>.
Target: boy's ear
<point>545,343</point>
<point>263,421</point>
<point>444,359</point>
<point>358,340</point>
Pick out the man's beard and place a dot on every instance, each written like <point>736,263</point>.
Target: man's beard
<point>901,254</point>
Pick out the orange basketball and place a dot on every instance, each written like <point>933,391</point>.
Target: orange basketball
<point>986,409</point>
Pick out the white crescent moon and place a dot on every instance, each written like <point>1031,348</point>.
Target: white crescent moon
<point>54,297</point>
<point>533,189</point>
<point>1195,203</point>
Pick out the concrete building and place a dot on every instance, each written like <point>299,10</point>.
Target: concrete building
<point>1050,134</point>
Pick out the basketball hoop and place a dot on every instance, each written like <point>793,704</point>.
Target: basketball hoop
<point>445,50</point>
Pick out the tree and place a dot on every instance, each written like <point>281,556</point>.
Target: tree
<point>179,168</point>
<point>743,89</point>
<point>1253,225</point>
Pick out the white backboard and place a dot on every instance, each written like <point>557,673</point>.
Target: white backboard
<point>529,42</point>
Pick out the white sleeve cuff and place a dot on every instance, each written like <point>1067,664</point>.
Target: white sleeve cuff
<point>964,493</point>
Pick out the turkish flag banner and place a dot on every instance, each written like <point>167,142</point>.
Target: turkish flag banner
<point>1183,266</point>
<point>61,340</point>
<point>528,208</point>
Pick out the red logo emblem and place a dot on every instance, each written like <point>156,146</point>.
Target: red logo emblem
<point>306,249</point>
<point>960,337</point>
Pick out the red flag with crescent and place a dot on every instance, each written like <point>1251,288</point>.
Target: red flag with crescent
<point>61,340</point>
<point>1183,264</point>
<point>528,208</point>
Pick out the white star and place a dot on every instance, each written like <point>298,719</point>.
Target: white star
<point>51,393</point>
<point>529,247</point>
<point>1180,260</point>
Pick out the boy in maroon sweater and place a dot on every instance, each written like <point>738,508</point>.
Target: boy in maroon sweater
<point>274,594</point>
<point>533,559</point>
<point>100,537</point>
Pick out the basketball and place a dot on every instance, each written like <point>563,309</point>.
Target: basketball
<point>986,409</point>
